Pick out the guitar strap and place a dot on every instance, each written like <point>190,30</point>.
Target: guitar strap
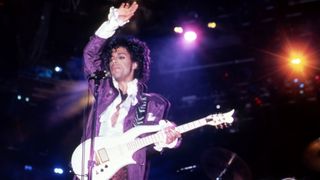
<point>141,111</point>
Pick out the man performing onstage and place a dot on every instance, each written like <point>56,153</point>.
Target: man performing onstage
<point>122,93</point>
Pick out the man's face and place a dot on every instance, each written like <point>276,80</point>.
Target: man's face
<point>121,65</point>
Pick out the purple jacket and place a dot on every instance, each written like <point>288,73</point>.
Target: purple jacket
<point>156,104</point>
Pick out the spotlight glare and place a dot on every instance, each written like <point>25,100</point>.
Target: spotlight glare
<point>178,29</point>
<point>300,59</point>
<point>58,170</point>
<point>190,36</point>
<point>296,61</point>
<point>27,167</point>
<point>212,25</point>
<point>19,97</point>
<point>58,69</point>
<point>301,85</point>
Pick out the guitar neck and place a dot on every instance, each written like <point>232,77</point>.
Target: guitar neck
<point>213,119</point>
<point>191,125</point>
<point>158,137</point>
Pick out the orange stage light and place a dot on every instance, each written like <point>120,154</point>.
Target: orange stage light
<point>297,62</point>
<point>300,59</point>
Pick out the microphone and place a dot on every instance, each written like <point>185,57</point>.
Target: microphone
<point>98,75</point>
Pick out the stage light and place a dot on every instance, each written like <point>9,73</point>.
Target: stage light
<point>27,167</point>
<point>27,99</point>
<point>299,57</point>
<point>190,36</point>
<point>301,85</point>
<point>218,106</point>
<point>178,29</point>
<point>297,60</point>
<point>212,25</point>
<point>57,69</point>
<point>58,170</point>
<point>297,64</point>
<point>19,97</point>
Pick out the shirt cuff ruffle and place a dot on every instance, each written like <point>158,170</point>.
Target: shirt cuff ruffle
<point>108,28</point>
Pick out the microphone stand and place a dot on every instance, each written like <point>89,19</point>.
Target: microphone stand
<point>96,76</point>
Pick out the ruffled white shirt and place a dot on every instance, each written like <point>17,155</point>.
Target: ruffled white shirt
<point>106,128</point>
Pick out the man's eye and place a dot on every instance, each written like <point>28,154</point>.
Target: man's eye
<point>122,57</point>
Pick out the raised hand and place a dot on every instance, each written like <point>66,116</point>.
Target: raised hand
<point>126,11</point>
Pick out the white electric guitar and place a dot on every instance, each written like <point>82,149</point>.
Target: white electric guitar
<point>111,154</point>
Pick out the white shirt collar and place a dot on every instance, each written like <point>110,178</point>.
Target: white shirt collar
<point>131,91</point>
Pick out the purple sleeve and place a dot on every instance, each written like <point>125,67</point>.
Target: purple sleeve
<point>92,55</point>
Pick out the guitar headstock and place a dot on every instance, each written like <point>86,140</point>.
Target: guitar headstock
<point>220,119</point>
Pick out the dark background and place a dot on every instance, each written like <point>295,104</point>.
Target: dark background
<point>241,65</point>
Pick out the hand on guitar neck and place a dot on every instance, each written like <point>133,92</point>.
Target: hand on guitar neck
<point>171,134</point>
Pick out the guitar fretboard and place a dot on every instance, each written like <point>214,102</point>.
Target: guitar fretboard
<point>214,120</point>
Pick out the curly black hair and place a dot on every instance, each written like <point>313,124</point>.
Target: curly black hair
<point>139,53</point>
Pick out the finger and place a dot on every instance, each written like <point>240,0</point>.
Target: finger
<point>178,134</point>
<point>122,5</point>
<point>170,139</point>
<point>174,134</point>
<point>133,7</point>
<point>133,10</point>
<point>133,4</point>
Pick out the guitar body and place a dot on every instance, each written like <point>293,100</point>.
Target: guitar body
<point>110,154</point>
